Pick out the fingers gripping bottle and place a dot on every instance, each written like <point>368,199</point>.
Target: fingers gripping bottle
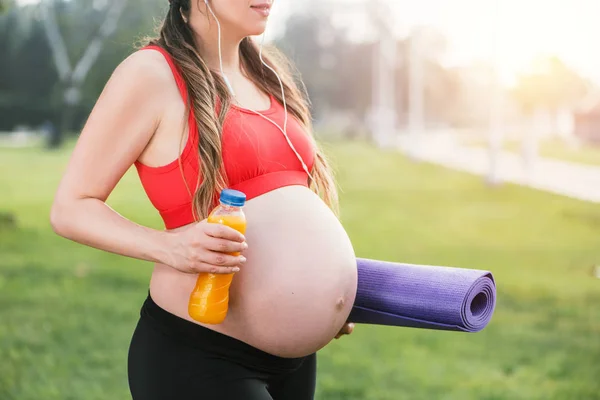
<point>209,300</point>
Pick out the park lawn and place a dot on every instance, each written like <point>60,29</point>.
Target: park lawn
<point>67,312</point>
<point>552,148</point>
<point>584,154</point>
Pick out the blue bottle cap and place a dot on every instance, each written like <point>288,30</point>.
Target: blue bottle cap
<point>233,198</point>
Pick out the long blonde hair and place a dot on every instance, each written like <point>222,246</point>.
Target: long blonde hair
<point>206,88</point>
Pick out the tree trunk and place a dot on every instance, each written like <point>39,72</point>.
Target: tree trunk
<point>55,138</point>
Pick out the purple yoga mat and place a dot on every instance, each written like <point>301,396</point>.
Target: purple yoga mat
<point>420,296</point>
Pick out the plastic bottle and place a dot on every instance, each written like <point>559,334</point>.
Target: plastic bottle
<point>209,301</point>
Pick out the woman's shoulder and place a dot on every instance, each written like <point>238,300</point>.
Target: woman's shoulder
<point>144,68</point>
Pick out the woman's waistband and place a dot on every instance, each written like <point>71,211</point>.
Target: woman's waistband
<point>215,343</point>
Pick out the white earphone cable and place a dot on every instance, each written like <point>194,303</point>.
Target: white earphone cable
<point>285,118</point>
<point>220,54</point>
<point>285,113</point>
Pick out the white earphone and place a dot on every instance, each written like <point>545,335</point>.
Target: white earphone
<point>230,87</point>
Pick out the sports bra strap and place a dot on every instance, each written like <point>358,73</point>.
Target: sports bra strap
<point>174,68</point>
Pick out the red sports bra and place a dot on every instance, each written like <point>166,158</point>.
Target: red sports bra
<point>256,157</point>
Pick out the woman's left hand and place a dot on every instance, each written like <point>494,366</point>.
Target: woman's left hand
<point>346,330</point>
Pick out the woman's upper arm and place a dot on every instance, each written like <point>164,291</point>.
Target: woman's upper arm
<point>118,129</point>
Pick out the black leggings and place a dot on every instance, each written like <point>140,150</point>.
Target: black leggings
<point>174,359</point>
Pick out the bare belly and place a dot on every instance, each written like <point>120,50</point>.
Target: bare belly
<point>298,286</point>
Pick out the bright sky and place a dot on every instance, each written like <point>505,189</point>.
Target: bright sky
<point>569,29</point>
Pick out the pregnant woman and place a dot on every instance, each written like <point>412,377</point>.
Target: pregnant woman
<point>183,111</point>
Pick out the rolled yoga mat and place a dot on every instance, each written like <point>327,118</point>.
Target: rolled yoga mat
<point>420,296</point>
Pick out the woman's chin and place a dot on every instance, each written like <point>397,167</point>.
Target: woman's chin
<point>257,29</point>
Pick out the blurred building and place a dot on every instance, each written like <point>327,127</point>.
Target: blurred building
<point>587,120</point>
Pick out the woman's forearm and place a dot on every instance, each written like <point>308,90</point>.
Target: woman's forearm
<point>93,223</point>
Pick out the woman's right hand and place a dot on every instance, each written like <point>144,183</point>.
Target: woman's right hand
<point>204,247</point>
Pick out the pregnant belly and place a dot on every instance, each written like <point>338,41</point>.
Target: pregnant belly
<point>298,286</point>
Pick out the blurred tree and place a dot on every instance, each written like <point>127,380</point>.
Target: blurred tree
<point>354,78</point>
<point>27,79</point>
<point>549,90</point>
<point>442,88</point>
<point>61,83</point>
<point>441,85</point>
<point>316,49</point>
<point>73,71</point>
<point>549,85</point>
<point>31,91</point>
<point>4,6</point>
<point>338,72</point>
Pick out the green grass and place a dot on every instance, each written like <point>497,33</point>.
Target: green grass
<point>67,312</point>
<point>552,148</point>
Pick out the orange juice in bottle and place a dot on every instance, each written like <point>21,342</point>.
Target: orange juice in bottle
<point>209,300</point>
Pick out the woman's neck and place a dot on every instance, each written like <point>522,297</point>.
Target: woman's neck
<point>230,51</point>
